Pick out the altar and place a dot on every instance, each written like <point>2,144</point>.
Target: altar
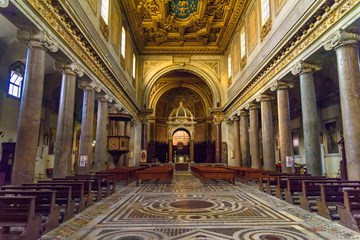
<point>182,166</point>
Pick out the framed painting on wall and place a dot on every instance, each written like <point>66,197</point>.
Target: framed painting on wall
<point>52,138</point>
<point>331,137</point>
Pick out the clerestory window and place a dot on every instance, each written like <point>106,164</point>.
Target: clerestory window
<point>104,12</point>
<point>16,79</point>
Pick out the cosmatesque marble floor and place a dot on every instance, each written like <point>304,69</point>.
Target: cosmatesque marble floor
<point>185,208</point>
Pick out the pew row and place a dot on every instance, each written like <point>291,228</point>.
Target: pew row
<point>18,212</point>
<point>154,173</point>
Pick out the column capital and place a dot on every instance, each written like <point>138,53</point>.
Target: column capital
<point>4,3</point>
<point>251,106</point>
<point>235,117</point>
<point>218,117</point>
<point>281,85</point>
<point>244,113</point>
<point>69,68</point>
<point>37,39</point>
<point>229,121</point>
<point>340,38</point>
<point>102,97</point>
<point>302,67</point>
<point>264,98</point>
<point>88,85</point>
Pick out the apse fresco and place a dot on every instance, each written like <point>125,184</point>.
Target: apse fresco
<point>183,9</point>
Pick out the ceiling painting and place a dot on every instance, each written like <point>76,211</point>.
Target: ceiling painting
<point>204,26</point>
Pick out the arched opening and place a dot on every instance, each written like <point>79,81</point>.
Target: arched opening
<point>181,145</point>
<point>196,97</point>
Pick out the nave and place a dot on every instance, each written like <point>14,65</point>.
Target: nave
<point>189,209</point>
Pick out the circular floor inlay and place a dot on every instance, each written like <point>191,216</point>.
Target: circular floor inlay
<point>191,204</point>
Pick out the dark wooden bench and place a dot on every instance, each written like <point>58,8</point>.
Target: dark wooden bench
<point>349,212</point>
<point>44,206</point>
<point>63,198</point>
<point>154,173</point>
<point>92,189</point>
<point>311,191</point>
<point>281,184</point>
<point>107,184</point>
<point>214,173</point>
<point>77,191</point>
<point>330,196</point>
<point>19,212</point>
<point>126,174</point>
<point>294,186</point>
<point>272,181</point>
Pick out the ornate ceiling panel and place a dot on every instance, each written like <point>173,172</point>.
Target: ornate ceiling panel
<point>198,26</point>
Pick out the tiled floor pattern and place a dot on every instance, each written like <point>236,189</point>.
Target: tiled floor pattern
<point>189,209</point>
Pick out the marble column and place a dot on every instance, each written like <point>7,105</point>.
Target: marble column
<point>267,128</point>
<point>170,151</point>
<point>309,117</point>
<point>27,134</point>
<point>100,155</point>
<point>347,54</point>
<point>127,133</point>
<point>65,122</point>
<point>254,136</point>
<point>192,150</point>
<point>237,156</point>
<point>244,139</point>
<point>87,126</point>
<point>282,92</point>
<point>144,141</point>
<point>218,118</point>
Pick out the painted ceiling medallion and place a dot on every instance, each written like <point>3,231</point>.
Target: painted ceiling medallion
<point>167,25</point>
<point>183,9</point>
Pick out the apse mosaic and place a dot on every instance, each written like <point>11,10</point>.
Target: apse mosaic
<point>189,209</point>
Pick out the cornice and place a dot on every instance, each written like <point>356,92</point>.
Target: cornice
<point>321,21</point>
<point>54,15</point>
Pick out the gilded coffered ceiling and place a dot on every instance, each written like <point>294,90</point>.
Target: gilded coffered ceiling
<point>183,26</point>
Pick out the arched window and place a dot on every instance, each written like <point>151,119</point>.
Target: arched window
<point>123,41</point>
<point>265,11</point>
<point>16,77</point>
<point>105,11</point>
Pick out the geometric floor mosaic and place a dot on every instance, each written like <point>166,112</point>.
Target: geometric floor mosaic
<point>188,209</point>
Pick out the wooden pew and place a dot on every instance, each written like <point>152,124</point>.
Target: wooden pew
<point>214,173</point>
<point>87,187</point>
<point>92,189</point>
<point>276,182</point>
<point>126,174</point>
<point>107,184</point>
<point>63,198</point>
<point>157,173</point>
<point>349,212</point>
<point>311,191</point>
<point>294,186</point>
<point>44,205</point>
<point>77,191</point>
<point>19,212</point>
<point>330,196</point>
